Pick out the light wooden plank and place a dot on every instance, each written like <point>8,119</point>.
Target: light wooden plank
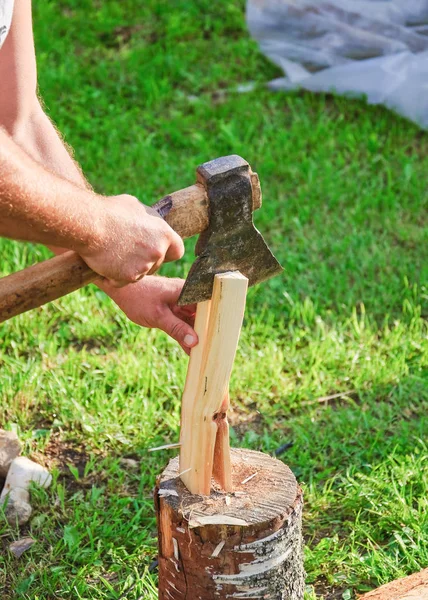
<point>205,398</point>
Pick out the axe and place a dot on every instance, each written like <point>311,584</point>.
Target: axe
<point>219,206</point>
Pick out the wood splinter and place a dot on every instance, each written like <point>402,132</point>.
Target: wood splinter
<point>205,451</point>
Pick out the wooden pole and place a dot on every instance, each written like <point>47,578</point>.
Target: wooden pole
<point>242,545</point>
<point>204,429</point>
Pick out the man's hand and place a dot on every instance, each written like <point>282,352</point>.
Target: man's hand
<point>152,302</point>
<point>134,242</point>
<point>118,237</point>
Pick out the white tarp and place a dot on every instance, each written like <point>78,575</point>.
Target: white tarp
<point>377,48</point>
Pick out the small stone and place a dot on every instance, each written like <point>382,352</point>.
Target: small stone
<point>10,448</point>
<point>18,509</point>
<point>18,547</point>
<point>129,463</point>
<point>22,472</point>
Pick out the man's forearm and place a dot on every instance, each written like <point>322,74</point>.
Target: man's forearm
<point>37,205</point>
<point>39,138</point>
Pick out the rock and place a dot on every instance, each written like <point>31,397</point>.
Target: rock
<point>10,448</point>
<point>18,509</point>
<point>22,472</point>
<point>129,463</point>
<point>18,547</point>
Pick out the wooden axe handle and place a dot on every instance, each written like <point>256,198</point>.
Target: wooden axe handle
<point>186,211</point>
<point>42,282</point>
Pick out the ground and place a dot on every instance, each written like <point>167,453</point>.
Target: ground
<point>333,356</point>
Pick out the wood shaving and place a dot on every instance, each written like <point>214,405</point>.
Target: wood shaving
<point>163,493</point>
<point>218,549</point>
<point>165,447</point>
<point>200,521</point>
<point>249,478</point>
<point>185,471</point>
<point>175,544</point>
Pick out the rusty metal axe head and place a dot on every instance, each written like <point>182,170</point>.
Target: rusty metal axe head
<point>231,242</point>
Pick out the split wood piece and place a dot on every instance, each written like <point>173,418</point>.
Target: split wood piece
<point>204,433</point>
<point>247,544</point>
<point>413,587</point>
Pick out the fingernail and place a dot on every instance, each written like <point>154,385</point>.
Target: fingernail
<point>188,340</point>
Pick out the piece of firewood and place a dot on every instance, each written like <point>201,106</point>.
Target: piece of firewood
<point>246,544</point>
<point>204,429</point>
<point>413,587</point>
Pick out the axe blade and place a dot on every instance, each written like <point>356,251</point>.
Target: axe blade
<point>243,250</point>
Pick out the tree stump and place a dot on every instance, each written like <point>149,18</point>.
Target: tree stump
<point>238,545</point>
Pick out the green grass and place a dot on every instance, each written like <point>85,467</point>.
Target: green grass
<point>145,92</point>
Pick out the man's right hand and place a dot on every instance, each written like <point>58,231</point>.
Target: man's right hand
<point>118,237</point>
<point>133,241</point>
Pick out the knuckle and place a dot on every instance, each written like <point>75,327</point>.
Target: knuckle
<point>117,283</point>
<point>131,275</point>
<point>130,198</point>
<point>180,250</point>
<point>177,330</point>
<point>157,254</point>
<point>176,250</point>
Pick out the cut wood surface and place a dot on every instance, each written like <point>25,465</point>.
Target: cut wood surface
<point>413,587</point>
<point>243,544</point>
<point>204,428</point>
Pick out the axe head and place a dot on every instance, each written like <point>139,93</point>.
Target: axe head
<point>231,242</point>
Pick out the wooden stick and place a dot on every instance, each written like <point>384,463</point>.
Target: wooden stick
<point>204,427</point>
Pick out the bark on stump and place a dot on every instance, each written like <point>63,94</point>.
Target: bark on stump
<point>238,545</point>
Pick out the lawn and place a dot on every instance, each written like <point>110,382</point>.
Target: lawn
<point>144,92</point>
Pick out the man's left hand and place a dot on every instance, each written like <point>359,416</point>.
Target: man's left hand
<point>152,302</point>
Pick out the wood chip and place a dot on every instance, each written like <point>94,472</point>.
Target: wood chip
<point>165,447</point>
<point>175,544</point>
<point>185,471</point>
<point>327,398</point>
<point>218,549</point>
<point>249,478</point>
<point>200,521</point>
<point>20,546</point>
<point>163,493</point>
